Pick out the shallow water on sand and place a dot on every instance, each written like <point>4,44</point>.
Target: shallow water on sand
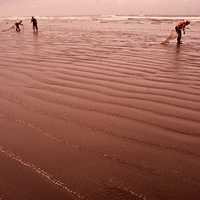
<point>99,109</point>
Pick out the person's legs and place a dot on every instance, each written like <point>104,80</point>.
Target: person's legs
<point>35,28</point>
<point>179,35</point>
<point>17,27</point>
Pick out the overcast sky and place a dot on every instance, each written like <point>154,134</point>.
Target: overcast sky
<point>84,7</point>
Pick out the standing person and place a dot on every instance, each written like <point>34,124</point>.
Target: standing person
<point>17,25</point>
<point>179,28</point>
<point>35,26</point>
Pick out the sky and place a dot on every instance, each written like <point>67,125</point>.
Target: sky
<point>92,7</point>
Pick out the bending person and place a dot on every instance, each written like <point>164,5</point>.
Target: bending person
<point>179,28</point>
<point>17,25</point>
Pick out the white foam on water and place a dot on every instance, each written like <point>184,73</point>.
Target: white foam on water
<point>107,18</point>
<point>41,172</point>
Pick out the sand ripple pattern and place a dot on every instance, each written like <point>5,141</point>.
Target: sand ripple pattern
<point>108,109</point>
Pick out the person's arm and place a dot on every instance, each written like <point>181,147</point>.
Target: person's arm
<point>184,29</point>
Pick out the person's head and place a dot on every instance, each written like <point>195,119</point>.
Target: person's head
<point>187,22</point>
<point>20,21</point>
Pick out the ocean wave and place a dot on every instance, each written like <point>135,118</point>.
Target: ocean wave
<point>110,18</point>
<point>159,19</point>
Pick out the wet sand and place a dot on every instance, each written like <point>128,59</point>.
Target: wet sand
<point>99,111</point>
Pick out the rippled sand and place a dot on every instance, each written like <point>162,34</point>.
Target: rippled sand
<point>99,111</point>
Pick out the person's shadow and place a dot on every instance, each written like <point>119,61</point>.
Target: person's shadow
<point>35,35</point>
<point>176,63</point>
<point>35,42</point>
<point>178,49</point>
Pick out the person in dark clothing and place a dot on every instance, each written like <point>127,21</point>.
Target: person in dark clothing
<point>179,28</point>
<point>17,25</point>
<point>35,26</point>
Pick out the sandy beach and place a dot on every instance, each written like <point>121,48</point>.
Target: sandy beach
<point>98,109</point>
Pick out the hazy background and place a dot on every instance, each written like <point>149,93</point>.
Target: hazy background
<point>85,7</point>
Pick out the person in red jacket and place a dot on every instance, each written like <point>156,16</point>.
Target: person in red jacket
<point>179,28</point>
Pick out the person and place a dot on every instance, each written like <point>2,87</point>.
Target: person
<point>17,25</point>
<point>35,26</point>
<point>179,28</point>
